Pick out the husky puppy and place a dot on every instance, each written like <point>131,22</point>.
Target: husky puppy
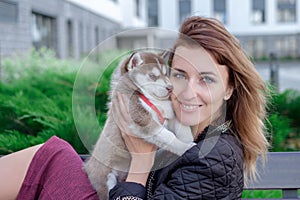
<point>142,77</point>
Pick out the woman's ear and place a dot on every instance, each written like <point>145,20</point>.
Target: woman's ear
<point>228,93</point>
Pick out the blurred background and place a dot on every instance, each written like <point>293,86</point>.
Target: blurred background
<point>73,27</point>
<point>43,44</point>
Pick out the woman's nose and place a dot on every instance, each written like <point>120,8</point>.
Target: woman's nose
<point>189,90</point>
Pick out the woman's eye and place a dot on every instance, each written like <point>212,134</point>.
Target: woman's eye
<point>207,79</point>
<point>178,75</point>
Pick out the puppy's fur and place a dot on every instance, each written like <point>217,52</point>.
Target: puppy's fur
<point>146,73</point>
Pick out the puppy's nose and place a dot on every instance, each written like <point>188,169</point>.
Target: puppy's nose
<point>170,88</point>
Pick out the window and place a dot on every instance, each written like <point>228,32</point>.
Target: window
<point>153,13</point>
<point>97,39</point>
<point>97,42</point>
<point>286,10</point>
<point>80,36</point>
<point>184,9</point>
<point>137,8</point>
<point>286,45</point>
<point>88,37</point>
<point>256,47</point>
<point>43,31</point>
<point>219,11</point>
<point>70,38</point>
<point>258,14</point>
<point>8,11</point>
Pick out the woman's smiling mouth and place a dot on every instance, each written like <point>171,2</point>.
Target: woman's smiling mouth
<point>189,108</point>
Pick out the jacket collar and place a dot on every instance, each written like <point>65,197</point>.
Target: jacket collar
<point>213,130</point>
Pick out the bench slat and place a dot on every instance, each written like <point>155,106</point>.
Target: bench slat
<point>282,171</point>
<point>290,193</point>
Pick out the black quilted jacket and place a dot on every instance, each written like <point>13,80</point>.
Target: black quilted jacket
<point>213,169</point>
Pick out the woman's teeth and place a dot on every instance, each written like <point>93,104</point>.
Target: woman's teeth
<point>188,107</point>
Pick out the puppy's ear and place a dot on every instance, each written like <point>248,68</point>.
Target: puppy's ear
<point>166,55</point>
<point>134,60</point>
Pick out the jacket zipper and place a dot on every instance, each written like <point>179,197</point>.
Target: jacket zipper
<point>150,185</point>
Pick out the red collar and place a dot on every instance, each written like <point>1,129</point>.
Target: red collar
<point>161,119</point>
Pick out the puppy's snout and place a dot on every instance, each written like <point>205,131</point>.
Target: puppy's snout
<point>170,88</point>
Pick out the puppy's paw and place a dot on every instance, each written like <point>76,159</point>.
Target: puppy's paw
<point>191,145</point>
<point>181,149</point>
<point>111,180</point>
<point>188,146</point>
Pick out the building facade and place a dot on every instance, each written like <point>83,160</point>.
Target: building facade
<point>262,26</point>
<point>72,28</point>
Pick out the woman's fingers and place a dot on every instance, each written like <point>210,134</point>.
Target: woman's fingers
<point>120,112</point>
<point>138,146</point>
<point>123,104</point>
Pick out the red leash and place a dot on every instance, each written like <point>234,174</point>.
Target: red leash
<point>161,119</point>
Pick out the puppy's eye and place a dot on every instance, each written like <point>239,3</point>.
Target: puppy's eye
<point>152,76</point>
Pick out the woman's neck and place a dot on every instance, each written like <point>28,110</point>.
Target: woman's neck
<point>198,129</point>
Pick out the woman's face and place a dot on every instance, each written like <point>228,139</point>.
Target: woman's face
<point>200,87</point>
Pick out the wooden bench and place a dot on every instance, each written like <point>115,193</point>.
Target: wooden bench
<point>281,172</point>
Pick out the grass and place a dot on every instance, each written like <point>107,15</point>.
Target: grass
<point>263,194</point>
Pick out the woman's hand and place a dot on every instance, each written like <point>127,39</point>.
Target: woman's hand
<point>142,158</point>
<point>134,145</point>
<point>137,146</point>
<point>142,153</point>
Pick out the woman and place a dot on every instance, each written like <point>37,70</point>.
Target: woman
<point>217,92</point>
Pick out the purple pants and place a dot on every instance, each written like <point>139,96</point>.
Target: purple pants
<point>55,172</point>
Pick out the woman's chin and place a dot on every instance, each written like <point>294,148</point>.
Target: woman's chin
<point>188,121</point>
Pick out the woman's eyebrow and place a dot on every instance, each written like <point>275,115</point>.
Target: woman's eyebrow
<point>179,70</point>
<point>207,73</point>
<point>200,73</point>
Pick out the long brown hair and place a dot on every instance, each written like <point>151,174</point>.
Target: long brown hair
<point>246,108</point>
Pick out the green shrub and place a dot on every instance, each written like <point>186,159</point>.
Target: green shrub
<point>12,140</point>
<point>36,100</point>
<point>284,118</point>
<point>280,129</point>
<point>288,104</point>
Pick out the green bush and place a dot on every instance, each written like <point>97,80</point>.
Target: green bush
<point>284,118</point>
<point>36,100</point>
<point>280,129</point>
<point>288,104</point>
